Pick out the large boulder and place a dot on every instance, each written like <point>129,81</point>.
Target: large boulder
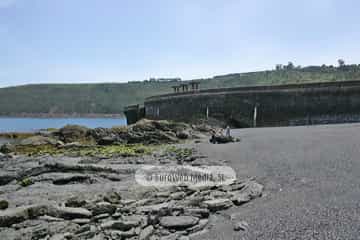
<point>7,148</point>
<point>4,204</point>
<point>76,202</point>
<point>223,139</point>
<point>197,212</point>
<point>108,140</point>
<point>69,213</point>
<point>241,226</point>
<point>123,234</point>
<point>20,214</point>
<point>144,131</point>
<point>218,204</point>
<point>106,136</point>
<point>146,233</point>
<point>6,177</point>
<point>38,140</point>
<point>154,137</point>
<point>183,134</point>
<point>72,133</point>
<point>11,216</point>
<point>112,197</point>
<point>178,222</point>
<point>155,208</point>
<point>250,191</point>
<point>103,207</point>
<point>199,227</point>
<point>146,125</point>
<point>122,225</point>
<point>155,132</point>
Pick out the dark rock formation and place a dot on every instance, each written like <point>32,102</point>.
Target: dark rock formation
<point>72,133</point>
<point>4,204</point>
<point>7,148</point>
<point>38,140</point>
<point>146,213</point>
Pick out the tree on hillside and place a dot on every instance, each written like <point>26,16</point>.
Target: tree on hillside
<point>341,63</point>
<point>278,67</point>
<point>290,66</point>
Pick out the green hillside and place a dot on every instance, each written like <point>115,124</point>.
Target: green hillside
<point>110,98</point>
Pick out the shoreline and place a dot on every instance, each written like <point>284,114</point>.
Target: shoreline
<point>47,115</point>
<point>16,135</point>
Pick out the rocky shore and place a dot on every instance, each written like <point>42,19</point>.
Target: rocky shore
<point>78,183</point>
<point>61,115</point>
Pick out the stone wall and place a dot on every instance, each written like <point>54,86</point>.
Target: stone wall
<point>284,105</point>
<point>134,113</point>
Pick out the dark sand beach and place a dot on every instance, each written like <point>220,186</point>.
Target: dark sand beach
<point>311,176</point>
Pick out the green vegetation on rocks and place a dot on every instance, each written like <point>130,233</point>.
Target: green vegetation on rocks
<point>16,135</point>
<point>26,182</point>
<point>179,153</point>
<point>124,150</point>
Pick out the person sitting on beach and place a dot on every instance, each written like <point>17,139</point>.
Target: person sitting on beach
<point>228,131</point>
<point>220,132</point>
<point>219,137</point>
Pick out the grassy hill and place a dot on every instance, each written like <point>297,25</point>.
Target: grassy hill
<point>111,98</point>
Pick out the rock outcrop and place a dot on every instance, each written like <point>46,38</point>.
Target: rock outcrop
<point>38,140</point>
<point>157,217</point>
<point>52,197</point>
<point>77,137</point>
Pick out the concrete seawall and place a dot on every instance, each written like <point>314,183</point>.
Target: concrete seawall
<point>285,105</point>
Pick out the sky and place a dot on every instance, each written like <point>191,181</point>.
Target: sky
<point>78,41</point>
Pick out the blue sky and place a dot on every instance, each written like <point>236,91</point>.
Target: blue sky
<point>67,41</point>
